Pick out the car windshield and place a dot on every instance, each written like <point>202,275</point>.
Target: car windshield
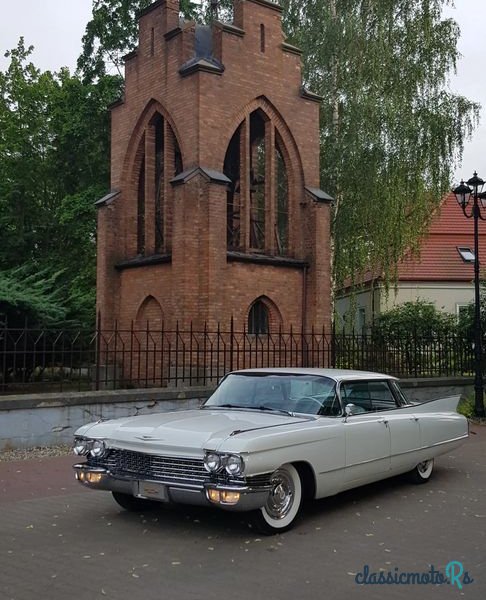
<point>290,393</point>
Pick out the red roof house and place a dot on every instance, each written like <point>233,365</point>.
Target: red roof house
<point>442,273</point>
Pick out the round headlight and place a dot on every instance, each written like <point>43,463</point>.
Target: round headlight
<point>234,464</point>
<point>81,447</point>
<point>212,462</point>
<point>98,449</point>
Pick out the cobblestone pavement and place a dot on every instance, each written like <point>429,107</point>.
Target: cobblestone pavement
<point>59,541</point>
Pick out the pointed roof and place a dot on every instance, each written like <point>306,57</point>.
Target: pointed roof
<point>440,259</point>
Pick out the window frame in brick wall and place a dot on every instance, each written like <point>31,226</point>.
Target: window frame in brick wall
<point>258,199</point>
<point>259,318</point>
<point>159,160</point>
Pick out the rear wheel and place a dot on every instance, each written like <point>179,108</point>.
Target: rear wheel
<point>133,504</point>
<point>283,504</point>
<point>422,472</point>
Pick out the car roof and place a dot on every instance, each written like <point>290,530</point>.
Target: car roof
<point>336,374</point>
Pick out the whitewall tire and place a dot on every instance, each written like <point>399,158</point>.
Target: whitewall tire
<point>283,504</point>
<point>422,472</point>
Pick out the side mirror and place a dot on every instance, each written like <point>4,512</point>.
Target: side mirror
<point>349,409</point>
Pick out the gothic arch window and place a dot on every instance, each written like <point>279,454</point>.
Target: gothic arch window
<point>159,183</point>
<point>141,209</point>
<point>258,318</point>
<point>233,195</point>
<point>149,313</point>
<point>159,159</point>
<point>258,168</point>
<point>282,205</point>
<point>258,196</point>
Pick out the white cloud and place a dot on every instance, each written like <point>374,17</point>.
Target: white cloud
<point>55,28</point>
<point>470,80</point>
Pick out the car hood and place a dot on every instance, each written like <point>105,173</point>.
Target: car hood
<point>184,431</point>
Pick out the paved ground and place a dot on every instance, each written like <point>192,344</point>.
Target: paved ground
<point>59,541</point>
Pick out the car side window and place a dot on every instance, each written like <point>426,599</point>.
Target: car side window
<point>402,398</point>
<point>381,395</point>
<point>368,396</point>
<point>357,393</point>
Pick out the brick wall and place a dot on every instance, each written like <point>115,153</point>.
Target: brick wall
<point>195,279</point>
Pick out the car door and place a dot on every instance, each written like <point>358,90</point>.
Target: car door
<point>367,436</point>
<point>404,428</point>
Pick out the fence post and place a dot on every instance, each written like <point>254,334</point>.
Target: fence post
<point>333,344</point>
<point>98,349</point>
<point>4,361</point>
<point>415,350</point>
<point>305,349</point>
<point>191,361</point>
<point>218,355</point>
<point>232,332</point>
<point>205,363</point>
<point>162,354</point>
<point>114,366</point>
<point>177,354</point>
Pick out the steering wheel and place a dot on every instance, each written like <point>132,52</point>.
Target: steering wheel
<point>306,399</point>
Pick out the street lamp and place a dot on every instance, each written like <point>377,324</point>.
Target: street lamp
<point>464,193</point>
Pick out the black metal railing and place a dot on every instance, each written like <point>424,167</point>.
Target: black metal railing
<point>42,360</point>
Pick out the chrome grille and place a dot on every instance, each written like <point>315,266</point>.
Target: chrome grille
<point>154,467</point>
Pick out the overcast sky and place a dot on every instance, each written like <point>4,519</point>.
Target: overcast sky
<point>55,28</point>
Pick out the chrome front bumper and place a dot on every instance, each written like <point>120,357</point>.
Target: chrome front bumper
<point>99,478</point>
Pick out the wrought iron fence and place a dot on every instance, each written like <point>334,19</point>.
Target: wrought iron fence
<point>35,360</point>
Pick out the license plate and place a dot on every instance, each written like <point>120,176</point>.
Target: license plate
<point>152,490</point>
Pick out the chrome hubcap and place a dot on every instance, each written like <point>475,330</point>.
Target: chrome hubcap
<point>423,467</point>
<point>281,496</point>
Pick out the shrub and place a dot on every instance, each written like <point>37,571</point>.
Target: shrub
<point>420,319</point>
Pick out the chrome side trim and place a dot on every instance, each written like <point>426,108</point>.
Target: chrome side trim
<point>456,439</point>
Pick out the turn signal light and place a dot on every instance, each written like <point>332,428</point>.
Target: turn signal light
<point>89,477</point>
<point>214,495</point>
<point>228,497</point>
<point>223,496</point>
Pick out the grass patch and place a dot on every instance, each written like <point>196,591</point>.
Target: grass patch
<point>466,407</point>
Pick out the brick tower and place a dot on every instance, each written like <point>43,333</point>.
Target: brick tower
<point>216,210</point>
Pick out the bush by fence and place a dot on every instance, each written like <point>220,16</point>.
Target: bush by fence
<point>33,360</point>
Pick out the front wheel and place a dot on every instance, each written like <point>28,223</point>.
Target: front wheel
<point>422,472</point>
<point>133,504</point>
<point>283,504</point>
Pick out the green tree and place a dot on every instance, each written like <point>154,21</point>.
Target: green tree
<point>113,32</point>
<point>54,164</point>
<point>25,203</point>
<point>31,296</point>
<point>391,131</point>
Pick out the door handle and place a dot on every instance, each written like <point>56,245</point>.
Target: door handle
<point>385,421</point>
<point>414,418</point>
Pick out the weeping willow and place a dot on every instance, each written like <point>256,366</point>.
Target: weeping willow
<point>391,131</point>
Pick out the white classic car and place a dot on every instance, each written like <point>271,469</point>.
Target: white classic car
<point>268,438</point>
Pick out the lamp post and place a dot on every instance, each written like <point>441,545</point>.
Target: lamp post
<point>464,193</point>
<point>214,9</point>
